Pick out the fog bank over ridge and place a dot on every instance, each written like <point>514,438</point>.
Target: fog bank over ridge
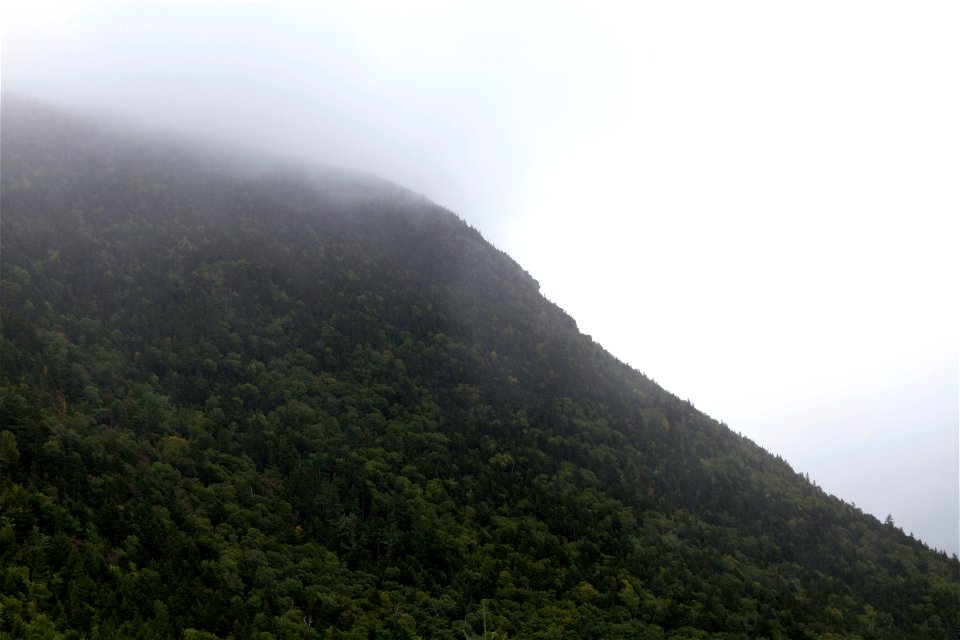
<point>751,204</point>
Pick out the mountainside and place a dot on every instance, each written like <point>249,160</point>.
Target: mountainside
<point>293,403</point>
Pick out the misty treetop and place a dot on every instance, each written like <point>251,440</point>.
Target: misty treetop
<point>302,403</point>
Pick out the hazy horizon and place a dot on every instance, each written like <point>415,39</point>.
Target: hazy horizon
<point>750,204</point>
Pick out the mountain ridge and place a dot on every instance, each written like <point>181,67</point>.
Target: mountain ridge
<point>275,372</point>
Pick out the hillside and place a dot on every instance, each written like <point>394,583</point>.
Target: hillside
<point>302,403</point>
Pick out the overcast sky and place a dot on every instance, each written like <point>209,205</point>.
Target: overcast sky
<point>754,203</point>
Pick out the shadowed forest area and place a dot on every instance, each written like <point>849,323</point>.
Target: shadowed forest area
<point>303,403</point>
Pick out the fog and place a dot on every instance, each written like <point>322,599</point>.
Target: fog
<point>753,204</point>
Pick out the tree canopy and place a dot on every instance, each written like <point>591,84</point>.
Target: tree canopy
<point>300,403</point>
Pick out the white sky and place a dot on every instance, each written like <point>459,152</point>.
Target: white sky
<point>754,203</point>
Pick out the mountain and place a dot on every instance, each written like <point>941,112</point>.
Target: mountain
<point>259,401</point>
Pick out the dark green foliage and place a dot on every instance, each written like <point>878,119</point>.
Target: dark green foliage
<point>304,406</point>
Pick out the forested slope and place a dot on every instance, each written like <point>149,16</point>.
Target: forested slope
<point>303,403</point>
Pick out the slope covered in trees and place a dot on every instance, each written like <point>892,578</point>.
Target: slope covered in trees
<point>305,404</point>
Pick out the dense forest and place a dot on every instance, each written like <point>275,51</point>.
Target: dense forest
<point>262,401</point>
